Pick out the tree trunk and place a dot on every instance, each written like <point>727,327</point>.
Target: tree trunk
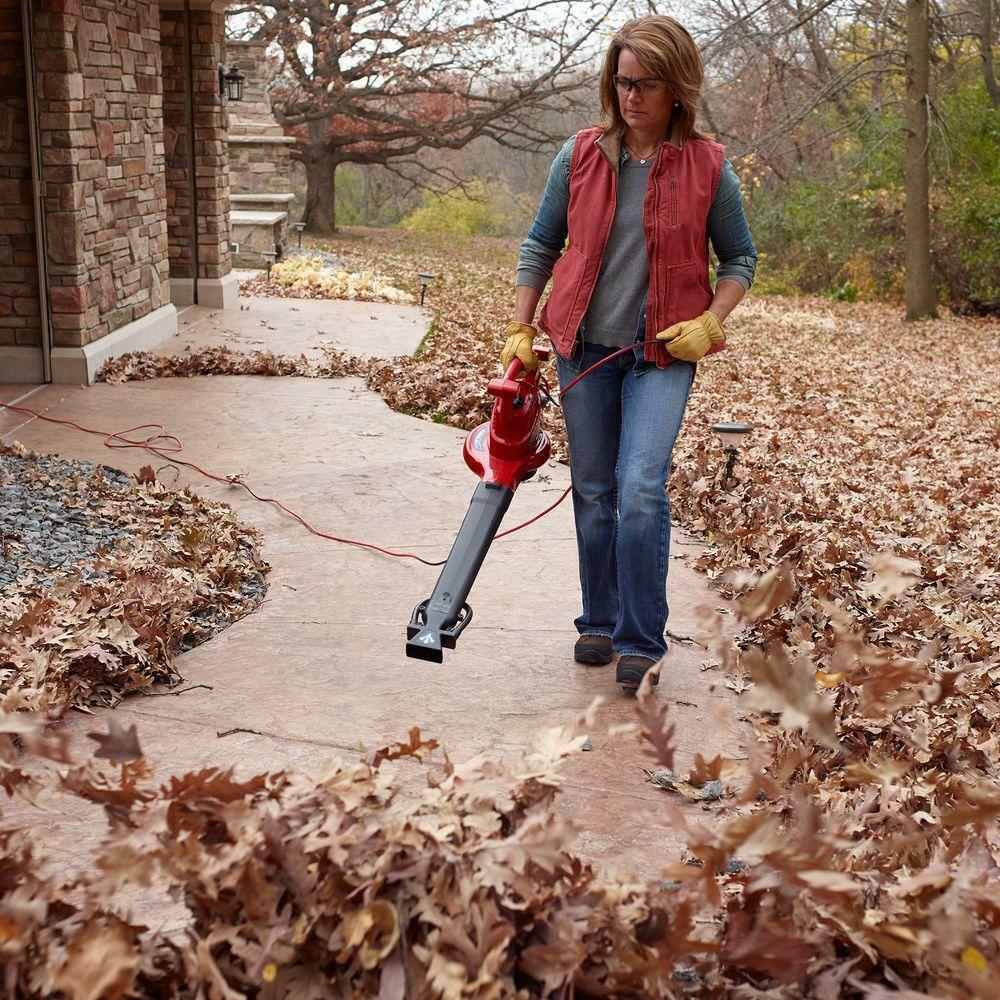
<point>986,51</point>
<point>320,215</point>
<point>918,288</point>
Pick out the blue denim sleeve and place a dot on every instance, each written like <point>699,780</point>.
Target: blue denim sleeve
<point>729,233</point>
<point>547,236</point>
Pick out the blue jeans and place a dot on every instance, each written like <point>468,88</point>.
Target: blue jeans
<point>622,421</point>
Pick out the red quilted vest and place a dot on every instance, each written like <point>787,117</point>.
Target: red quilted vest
<point>681,189</point>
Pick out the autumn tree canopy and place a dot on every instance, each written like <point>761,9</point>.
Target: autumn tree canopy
<point>378,81</point>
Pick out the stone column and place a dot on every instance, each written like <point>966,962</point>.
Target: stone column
<point>215,285</point>
<point>100,106</point>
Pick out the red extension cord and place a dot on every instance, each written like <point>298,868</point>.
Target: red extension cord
<point>170,444</point>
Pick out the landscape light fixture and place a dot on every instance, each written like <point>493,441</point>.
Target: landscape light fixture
<point>425,280</point>
<point>231,82</point>
<point>299,226</point>
<point>270,256</point>
<point>732,436</point>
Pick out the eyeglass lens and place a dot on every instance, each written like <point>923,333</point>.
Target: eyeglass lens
<point>648,85</point>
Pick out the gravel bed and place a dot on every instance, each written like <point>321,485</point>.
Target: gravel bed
<point>49,526</point>
<point>205,624</point>
<point>60,518</point>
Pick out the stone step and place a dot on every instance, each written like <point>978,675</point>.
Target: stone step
<point>242,218</point>
<point>250,126</point>
<point>261,140</point>
<point>263,198</point>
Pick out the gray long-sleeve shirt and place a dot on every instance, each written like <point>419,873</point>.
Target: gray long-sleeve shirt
<point>623,281</point>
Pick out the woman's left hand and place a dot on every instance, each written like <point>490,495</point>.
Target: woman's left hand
<point>691,340</point>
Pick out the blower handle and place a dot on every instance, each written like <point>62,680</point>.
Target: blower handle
<point>509,386</point>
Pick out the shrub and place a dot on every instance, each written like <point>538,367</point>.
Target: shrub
<point>827,229</point>
<point>477,210</point>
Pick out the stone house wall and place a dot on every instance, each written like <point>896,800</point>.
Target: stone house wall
<point>20,318</point>
<point>101,122</point>
<point>116,177</point>
<point>101,117</point>
<point>259,166</point>
<point>175,144</point>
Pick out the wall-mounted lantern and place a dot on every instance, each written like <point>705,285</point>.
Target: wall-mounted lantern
<point>231,82</point>
<point>732,436</point>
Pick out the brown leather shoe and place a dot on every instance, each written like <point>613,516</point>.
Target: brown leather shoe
<point>594,650</point>
<point>631,670</point>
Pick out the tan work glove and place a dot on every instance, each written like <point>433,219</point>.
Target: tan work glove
<point>691,340</point>
<point>520,337</point>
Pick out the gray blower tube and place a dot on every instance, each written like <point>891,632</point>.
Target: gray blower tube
<point>442,615</point>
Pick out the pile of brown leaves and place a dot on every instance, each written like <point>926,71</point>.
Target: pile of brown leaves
<point>140,367</point>
<point>185,568</point>
<point>302,276</point>
<point>875,849</point>
<point>346,884</point>
<point>830,870</point>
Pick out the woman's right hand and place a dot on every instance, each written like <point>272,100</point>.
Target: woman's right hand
<point>520,338</point>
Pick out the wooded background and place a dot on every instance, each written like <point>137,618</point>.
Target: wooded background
<point>866,135</point>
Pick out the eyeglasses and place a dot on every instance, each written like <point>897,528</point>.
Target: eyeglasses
<point>647,86</point>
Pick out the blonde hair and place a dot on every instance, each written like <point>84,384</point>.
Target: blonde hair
<point>667,50</point>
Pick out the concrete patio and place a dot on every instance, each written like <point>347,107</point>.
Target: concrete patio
<point>320,670</point>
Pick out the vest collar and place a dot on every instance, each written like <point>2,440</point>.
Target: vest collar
<point>611,146</point>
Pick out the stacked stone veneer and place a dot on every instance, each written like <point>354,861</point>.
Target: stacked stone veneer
<point>101,121</point>
<point>259,162</point>
<point>210,156</point>
<point>20,322</point>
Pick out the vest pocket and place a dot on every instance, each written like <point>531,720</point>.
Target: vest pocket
<point>684,293</point>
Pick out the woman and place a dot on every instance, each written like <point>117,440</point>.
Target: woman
<point>639,197</point>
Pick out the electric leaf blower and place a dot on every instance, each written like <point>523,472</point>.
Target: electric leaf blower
<point>504,452</point>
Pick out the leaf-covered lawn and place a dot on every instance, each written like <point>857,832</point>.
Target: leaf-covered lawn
<point>856,853</point>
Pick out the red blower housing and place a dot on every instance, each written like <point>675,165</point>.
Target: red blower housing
<point>510,447</point>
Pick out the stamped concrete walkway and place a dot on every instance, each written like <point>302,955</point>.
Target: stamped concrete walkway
<point>320,669</point>
<point>303,326</point>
